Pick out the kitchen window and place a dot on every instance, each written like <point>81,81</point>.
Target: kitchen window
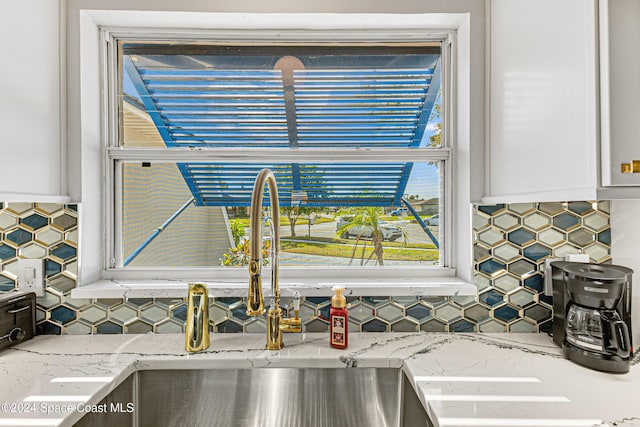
<point>93,135</point>
<point>353,132</point>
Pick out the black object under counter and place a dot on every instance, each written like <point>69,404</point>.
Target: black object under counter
<point>17,318</point>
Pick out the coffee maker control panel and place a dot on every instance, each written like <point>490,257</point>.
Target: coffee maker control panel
<point>17,318</point>
<point>548,282</point>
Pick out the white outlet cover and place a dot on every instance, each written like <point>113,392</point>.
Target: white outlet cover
<point>31,276</point>
<point>548,283</point>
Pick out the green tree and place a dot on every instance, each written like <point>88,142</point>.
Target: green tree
<point>435,140</point>
<point>293,214</point>
<point>314,178</point>
<point>240,254</point>
<point>365,219</point>
<point>237,231</point>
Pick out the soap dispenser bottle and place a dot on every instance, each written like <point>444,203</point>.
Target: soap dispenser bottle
<point>338,320</point>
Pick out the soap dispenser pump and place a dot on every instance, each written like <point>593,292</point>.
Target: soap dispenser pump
<point>338,320</point>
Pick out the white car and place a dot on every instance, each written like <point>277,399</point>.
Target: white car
<point>434,220</point>
<point>389,232</point>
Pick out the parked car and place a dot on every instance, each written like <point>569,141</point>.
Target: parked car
<point>342,221</point>
<point>389,231</point>
<point>434,220</point>
<point>399,212</point>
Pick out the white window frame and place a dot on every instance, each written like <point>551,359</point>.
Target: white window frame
<point>88,107</point>
<point>113,153</point>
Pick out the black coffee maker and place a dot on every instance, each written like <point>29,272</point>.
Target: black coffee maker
<point>592,314</point>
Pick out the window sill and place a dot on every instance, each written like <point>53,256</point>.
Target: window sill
<point>436,286</point>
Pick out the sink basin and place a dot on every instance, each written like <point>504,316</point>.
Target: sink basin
<point>265,397</point>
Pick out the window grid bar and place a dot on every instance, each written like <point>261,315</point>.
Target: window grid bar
<point>258,155</point>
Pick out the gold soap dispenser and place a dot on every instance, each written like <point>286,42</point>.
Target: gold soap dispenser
<point>197,325</point>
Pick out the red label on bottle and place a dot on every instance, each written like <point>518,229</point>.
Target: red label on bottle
<point>338,332</point>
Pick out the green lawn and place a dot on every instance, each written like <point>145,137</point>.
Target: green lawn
<point>338,240</point>
<point>392,250</point>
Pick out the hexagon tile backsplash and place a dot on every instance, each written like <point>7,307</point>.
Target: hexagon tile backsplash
<point>510,245</point>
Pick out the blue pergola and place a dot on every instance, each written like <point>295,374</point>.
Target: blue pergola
<point>290,108</point>
<point>367,108</point>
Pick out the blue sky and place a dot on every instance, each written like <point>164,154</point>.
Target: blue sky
<point>424,181</point>
<point>425,178</point>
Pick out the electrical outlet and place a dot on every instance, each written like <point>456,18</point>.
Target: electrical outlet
<point>548,283</point>
<point>30,276</point>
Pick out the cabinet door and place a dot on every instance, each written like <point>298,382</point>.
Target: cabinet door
<point>542,127</point>
<point>620,92</point>
<point>30,102</point>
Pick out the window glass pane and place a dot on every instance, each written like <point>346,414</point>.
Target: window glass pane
<point>280,97</point>
<point>333,214</point>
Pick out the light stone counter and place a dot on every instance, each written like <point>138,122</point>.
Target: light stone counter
<point>461,379</point>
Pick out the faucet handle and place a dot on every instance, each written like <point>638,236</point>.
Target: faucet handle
<point>296,305</point>
<point>296,301</point>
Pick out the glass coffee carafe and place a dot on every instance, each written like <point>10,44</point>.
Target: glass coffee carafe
<point>599,330</point>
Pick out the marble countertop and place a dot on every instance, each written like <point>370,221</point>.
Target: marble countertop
<point>461,379</point>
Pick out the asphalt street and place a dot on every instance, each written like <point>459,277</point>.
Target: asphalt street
<point>415,233</point>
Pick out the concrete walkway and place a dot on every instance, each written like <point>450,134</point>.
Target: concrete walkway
<point>291,259</point>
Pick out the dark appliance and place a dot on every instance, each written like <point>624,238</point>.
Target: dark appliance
<point>592,314</point>
<point>17,317</point>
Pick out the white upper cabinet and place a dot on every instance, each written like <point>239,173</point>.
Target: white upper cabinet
<point>542,125</point>
<point>30,104</point>
<point>620,94</point>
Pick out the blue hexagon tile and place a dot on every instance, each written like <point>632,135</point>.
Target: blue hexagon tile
<point>511,242</point>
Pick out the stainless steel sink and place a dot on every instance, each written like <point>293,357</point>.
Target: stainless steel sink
<point>309,397</point>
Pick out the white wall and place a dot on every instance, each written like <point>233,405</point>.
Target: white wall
<point>189,9</point>
<point>625,250</point>
<point>83,82</point>
<point>33,114</point>
<point>30,102</point>
<point>621,126</point>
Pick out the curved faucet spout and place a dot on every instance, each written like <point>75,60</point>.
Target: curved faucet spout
<point>255,300</point>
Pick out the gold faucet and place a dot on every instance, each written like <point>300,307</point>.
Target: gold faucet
<point>276,323</point>
<point>197,325</point>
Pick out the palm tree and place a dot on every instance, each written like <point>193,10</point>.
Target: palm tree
<point>365,219</point>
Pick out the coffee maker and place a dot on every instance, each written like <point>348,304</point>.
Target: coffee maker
<point>592,314</point>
